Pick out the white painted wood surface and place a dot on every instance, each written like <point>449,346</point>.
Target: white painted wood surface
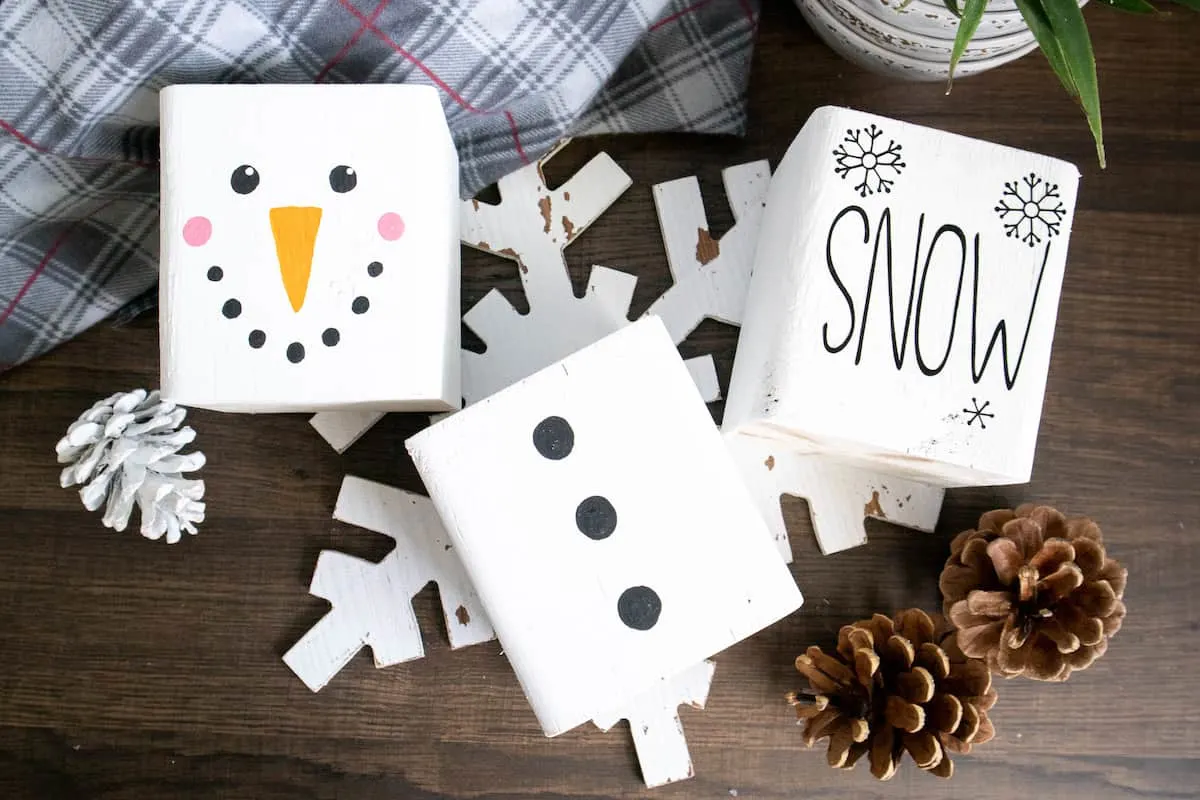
<point>653,716</point>
<point>904,298</point>
<point>372,602</point>
<point>685,532</point>
<point>840,497</point>
<point>343,428</point>
<point>711,276</point>
<point>309,260</point>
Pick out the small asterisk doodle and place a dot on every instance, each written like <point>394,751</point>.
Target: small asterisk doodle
<point>978,412</point>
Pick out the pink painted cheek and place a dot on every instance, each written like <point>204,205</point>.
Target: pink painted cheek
<point>391,226</point>
<point>197,231</point>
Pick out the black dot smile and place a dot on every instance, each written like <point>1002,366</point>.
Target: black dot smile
<point>257,338</point>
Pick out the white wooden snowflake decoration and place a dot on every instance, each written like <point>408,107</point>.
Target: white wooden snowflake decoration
<point>372,602</point>
<point>532,225</point>
<point>839,497</point>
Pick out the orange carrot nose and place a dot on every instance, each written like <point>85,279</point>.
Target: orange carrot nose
<point>295,230</point>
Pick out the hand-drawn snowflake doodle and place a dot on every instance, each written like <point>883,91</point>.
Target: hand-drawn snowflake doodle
<point>1031,209</point>
<point>862,150</point>
<point>978,412</point>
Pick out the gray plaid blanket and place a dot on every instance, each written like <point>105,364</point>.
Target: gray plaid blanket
<point>79,83</point>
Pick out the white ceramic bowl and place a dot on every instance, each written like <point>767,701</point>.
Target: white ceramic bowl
<point>891,37</point>
<point>934,19</point>
<point>854,47</point>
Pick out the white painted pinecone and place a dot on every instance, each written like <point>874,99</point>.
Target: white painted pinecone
<point>125,449</point>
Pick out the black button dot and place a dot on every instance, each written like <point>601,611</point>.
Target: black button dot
<point>257,339</point>
<point>360,305</point>
<point>554,438</point>
<point>295,352</point>
<point>639,607</point>
<point>331,337</point>
<point>215,273</point>
<point>374,269</point>
<point>232,309</point>
<point>596,518</point>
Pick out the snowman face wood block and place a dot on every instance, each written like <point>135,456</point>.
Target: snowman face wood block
<point>604,525</point>
<point>310,254</point>
<point>903,301</point>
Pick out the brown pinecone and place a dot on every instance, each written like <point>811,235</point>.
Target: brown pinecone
<point>891,688</point>
<point>1033,592</point>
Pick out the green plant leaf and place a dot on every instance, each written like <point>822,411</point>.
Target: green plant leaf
<point>969,23</point>
<point>1070,30</point>
<point>955,10</point>
<point>1132,6</point>
<point>1194,5</point>
<point>1035,17</point>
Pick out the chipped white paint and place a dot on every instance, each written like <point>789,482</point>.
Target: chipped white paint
<point>531,225</point>
<point>839,497</point>
<point>646,459</point>
<point>372,602</point>
<point>310,261</point>
<point>900,317</point>
<point>711,276</point>
<point>657,730</point>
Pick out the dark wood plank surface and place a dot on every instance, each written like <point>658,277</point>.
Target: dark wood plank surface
<point>130,669</point>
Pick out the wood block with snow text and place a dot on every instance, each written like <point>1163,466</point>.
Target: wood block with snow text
<point>903,300</point>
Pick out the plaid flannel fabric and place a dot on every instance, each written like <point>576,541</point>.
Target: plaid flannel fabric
<point>79,81</point>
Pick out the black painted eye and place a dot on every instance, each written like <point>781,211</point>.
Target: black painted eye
<point>244,179</point>
<point>342,179</point>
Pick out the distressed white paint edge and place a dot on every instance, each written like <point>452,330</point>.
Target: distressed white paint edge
<point>715,286</point>
<point>840,498</point>
<point>658,736</point>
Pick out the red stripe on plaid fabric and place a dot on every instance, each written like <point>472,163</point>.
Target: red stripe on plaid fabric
<point>512,124</point>
<point>50,253</point>
<point>672,17</point>
<point>437,81</point>
<point>340,54</point>
<point>749,11</point>
<point>22,138</point>
<point>441,84</point>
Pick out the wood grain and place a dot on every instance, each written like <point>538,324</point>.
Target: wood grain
<point>130,669</point>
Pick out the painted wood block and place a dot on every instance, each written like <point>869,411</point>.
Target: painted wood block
<point>903,302</point>
<point>310,255</point>
<point>372,602</point>
<point>656,728</point>
<point>604,525</point>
